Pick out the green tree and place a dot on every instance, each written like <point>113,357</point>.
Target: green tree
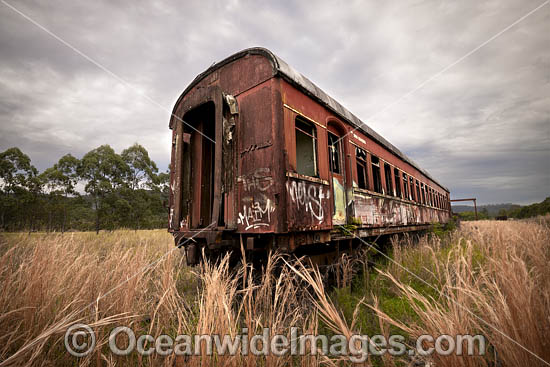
<point>142,170</point>
<point>140,179</point>
<point>103,170</point>
<point>17,175</point>
<point>61,180</point>
<point>484,213</point>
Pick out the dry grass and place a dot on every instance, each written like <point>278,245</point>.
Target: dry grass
<point>488,277</point>
<point>494,279</point>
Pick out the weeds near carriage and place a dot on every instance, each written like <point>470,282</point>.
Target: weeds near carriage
<point>496,269</point>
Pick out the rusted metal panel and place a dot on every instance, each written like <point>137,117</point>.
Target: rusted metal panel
<point>279,157</point>
<point>379,211</point>
<point>257,206</point>
<point>256,190</point>
<point>308,204</point>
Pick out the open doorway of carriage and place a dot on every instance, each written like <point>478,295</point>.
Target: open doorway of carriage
<point>198,164</point>
<point>337,173</point>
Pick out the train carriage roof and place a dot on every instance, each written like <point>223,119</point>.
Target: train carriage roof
<point>280,67</point>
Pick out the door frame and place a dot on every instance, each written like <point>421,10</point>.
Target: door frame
<point>337,129</point>
<point>191,101</point>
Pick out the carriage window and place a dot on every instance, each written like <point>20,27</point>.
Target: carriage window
<point>428,194</point>
<point>423,190</point>
<point>361,158</point>
<point>306,148</point>
<point>388,175</point>
<point>405,187</point>
<point>376,177</point>
<point>418,197</point>
<point>334,153</point>
<point>397,182</point>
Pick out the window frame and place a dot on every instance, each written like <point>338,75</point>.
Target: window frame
<point>397,180</point>
<point>406,192</point>
<point>389,183</point>
<point>363,162</point>
<point>313,135</point>
<point>339,153</point>
<point>376,183</point>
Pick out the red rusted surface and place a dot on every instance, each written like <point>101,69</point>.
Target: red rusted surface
<point>253,187</point>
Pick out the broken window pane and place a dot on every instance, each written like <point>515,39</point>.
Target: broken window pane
<point>334,153</point>
<point>388,176</point>
<point>423,191</point>
<point>405,187</point>
<point>361,158</point>
<point>397,182</point>
<point>376,177</point>
<point>306,148</point>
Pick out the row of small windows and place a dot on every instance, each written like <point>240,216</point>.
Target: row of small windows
<point>411,188</point>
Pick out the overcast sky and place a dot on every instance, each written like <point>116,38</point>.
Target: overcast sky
<point>482,128</point>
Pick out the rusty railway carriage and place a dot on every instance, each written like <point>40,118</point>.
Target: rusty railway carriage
<point>262,158</point>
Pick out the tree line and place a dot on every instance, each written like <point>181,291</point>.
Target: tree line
<point>528,211</point>
<point>103,190</point>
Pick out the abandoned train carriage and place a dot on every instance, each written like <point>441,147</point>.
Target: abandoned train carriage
<point>263,158</point>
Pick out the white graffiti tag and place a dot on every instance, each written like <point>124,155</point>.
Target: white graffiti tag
<point>257,180</point>
<point>255,216</point>
<point>308,196</point>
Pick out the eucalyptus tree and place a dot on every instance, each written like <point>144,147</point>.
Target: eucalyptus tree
<point>18,184</point>
<point>61,181</point>
<point>141,179</point>
<point>103,172</point>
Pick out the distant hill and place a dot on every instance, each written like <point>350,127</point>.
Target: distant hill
<point>510,210</point>
<point>492,209</point>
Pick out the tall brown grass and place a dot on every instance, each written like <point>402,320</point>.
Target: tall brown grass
<point>488,277</point>
<point>493,279</point>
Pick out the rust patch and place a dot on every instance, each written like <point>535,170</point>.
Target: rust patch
<point>308,205</point>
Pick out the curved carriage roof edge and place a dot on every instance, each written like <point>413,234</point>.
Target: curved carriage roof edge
<point>307,86</point>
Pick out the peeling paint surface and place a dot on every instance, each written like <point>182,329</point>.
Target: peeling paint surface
<point>339,195</point>
<point>380,211</point>
<point>256,215</point>
<point>308,204</point>
<point>257,204</point>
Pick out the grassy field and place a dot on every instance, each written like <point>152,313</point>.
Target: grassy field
<point>490,278</point>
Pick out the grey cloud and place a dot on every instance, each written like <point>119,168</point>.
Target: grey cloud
<point>482,128</point>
